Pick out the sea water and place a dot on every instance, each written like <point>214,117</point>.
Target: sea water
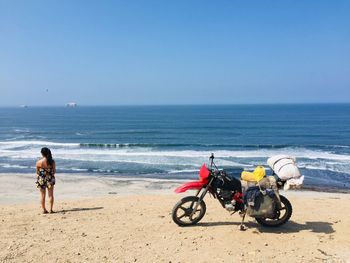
<point>172,142</point>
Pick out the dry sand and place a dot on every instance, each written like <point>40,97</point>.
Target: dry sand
<point>130,227</point>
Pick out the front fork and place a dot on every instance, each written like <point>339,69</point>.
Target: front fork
<point>201,197</point>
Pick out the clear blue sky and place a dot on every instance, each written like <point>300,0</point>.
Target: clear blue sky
<point>174,52</point>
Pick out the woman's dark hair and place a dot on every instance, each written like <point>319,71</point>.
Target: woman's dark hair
<point>47,154</point>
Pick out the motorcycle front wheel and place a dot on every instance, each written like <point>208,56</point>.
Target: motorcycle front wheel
<point>182,211</point>
<point>282,215</point>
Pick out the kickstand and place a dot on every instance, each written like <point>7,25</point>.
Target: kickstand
<point>242,227</point>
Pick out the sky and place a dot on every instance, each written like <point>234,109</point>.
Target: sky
<point>174,52</point>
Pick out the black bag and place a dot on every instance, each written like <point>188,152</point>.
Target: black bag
<point>264,205</point>
<point>227,182</point>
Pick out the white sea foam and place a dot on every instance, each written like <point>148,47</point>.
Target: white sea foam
<point>16,144</point>
<point>77,169</point>
<point>148,156</point>
<point>21,130</point>
<point>7,165</point>
<point>183,171</point>
<point>337,167</point>
<point>74,149</point>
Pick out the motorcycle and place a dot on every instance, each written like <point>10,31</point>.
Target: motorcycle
<point>228,191</point>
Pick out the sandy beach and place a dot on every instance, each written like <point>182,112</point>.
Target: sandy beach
<point>107,224</point>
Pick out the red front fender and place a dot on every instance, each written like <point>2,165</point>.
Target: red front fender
<point>190,186</point>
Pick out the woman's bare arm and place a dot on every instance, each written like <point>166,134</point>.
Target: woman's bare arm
<point>38,166</point>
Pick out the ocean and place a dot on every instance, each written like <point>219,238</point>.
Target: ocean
<point>172,142</point>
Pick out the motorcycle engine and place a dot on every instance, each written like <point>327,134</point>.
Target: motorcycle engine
<point>227,197</point>
<point>226,194</point>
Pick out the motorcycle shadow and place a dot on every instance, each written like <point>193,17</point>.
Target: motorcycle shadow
<point>289,227</point>
<point>227,223</point>
<point>294,227</point>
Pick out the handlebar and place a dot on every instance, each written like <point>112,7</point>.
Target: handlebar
<point>211,160</point>
<point>211,156</point>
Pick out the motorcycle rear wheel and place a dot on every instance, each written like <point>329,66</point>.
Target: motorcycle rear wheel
<point>280,219</point>
<point>183,209</point>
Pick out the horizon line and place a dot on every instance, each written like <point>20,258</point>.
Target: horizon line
<point>174,104</point>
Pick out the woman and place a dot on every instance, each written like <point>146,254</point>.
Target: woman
<point>45,170</point>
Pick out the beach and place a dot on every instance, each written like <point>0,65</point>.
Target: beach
<point>129,220</point>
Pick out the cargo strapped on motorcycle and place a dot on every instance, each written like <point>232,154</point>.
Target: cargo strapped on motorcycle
<point>286,171</point>
<point>260,203</point>
<point>226,182</point>
<point>255,176</point>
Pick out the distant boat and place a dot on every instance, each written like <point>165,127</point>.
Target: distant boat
<point>71,105</point>
<point>23,106</point>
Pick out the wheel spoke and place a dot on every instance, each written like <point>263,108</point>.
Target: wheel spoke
<point>283,208</point>
<point>183,208</point>
<point>182,216</point>
<point>191,218</point>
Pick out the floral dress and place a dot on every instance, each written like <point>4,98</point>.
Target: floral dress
<point>45,178</point>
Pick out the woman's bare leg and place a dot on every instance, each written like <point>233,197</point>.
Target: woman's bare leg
<point>42,199</point>
<point>51,198</point>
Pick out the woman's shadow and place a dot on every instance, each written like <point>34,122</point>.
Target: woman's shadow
<point>289,227</point>
<point>78,209</point>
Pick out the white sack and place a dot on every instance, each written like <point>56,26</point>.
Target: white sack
<point>294,183</point>
<point>284,166</point>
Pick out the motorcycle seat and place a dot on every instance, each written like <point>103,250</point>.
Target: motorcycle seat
<point>255,176</point>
